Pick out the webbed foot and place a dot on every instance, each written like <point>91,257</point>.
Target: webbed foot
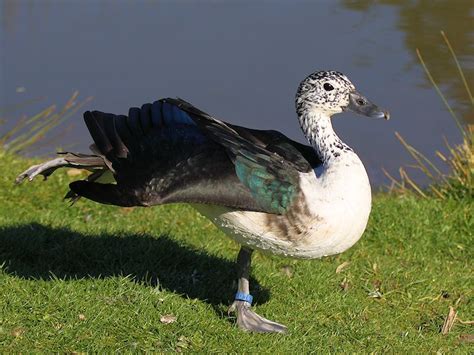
<point>44,169</point>
<point>250,321</point>
<point>247,319</point>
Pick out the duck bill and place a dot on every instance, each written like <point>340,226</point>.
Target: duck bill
<point>361,105</point>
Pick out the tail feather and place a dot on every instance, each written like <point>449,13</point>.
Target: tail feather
<point>96,176</point>
<point>109,194</point>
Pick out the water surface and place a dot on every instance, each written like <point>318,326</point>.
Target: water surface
<point>242,62</point>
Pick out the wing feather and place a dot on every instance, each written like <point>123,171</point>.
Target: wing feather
<point>170,151</point>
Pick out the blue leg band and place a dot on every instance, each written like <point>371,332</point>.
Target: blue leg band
<point>240,296</point>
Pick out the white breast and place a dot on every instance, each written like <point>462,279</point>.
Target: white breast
<point>338,205</point>
<point>342,198</point>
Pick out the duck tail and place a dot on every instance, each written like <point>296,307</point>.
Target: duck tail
<point>109,194</point>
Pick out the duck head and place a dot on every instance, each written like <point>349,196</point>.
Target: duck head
<point>330,92</point>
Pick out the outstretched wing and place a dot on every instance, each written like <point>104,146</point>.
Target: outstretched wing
<point>266,162</point>
<point>169,151</point>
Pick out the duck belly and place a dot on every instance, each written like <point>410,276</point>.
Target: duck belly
<point>308,236</point>
<point>329,217</point>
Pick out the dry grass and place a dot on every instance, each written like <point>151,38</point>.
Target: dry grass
<point>459,159</point>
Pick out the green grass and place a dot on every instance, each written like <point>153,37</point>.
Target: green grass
<point>98,278</point>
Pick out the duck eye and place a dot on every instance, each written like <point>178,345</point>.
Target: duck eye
<point>328,87</point>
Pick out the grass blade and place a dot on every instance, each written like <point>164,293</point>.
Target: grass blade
<point>461,73</point>
<point>446,103</point>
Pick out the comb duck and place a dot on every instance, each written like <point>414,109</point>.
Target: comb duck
<point>264,190</point>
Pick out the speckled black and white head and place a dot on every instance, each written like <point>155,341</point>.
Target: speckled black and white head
<point>322,95</point>
<point>331,92</point>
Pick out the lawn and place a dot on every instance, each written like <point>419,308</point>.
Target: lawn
<point>94,278</point>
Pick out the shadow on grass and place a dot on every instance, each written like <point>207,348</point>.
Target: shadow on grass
<point>33,251</point>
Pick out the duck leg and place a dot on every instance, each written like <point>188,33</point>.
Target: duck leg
<point>246,318</point>
<point>44,169</point>
<point>71,160</point>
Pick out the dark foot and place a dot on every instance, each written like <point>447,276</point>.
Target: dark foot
<point>250,321</point>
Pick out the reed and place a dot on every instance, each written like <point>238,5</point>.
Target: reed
<point>459,158</point>
<point>29,132</point>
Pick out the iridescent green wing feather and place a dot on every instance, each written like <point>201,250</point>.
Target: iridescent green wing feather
<point>272,180</point>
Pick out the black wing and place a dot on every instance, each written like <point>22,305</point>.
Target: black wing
<point>170,151</point>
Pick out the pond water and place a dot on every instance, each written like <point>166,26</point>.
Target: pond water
<point>242,62</point>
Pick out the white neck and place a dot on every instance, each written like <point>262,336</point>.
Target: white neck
<point>318,130</point>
